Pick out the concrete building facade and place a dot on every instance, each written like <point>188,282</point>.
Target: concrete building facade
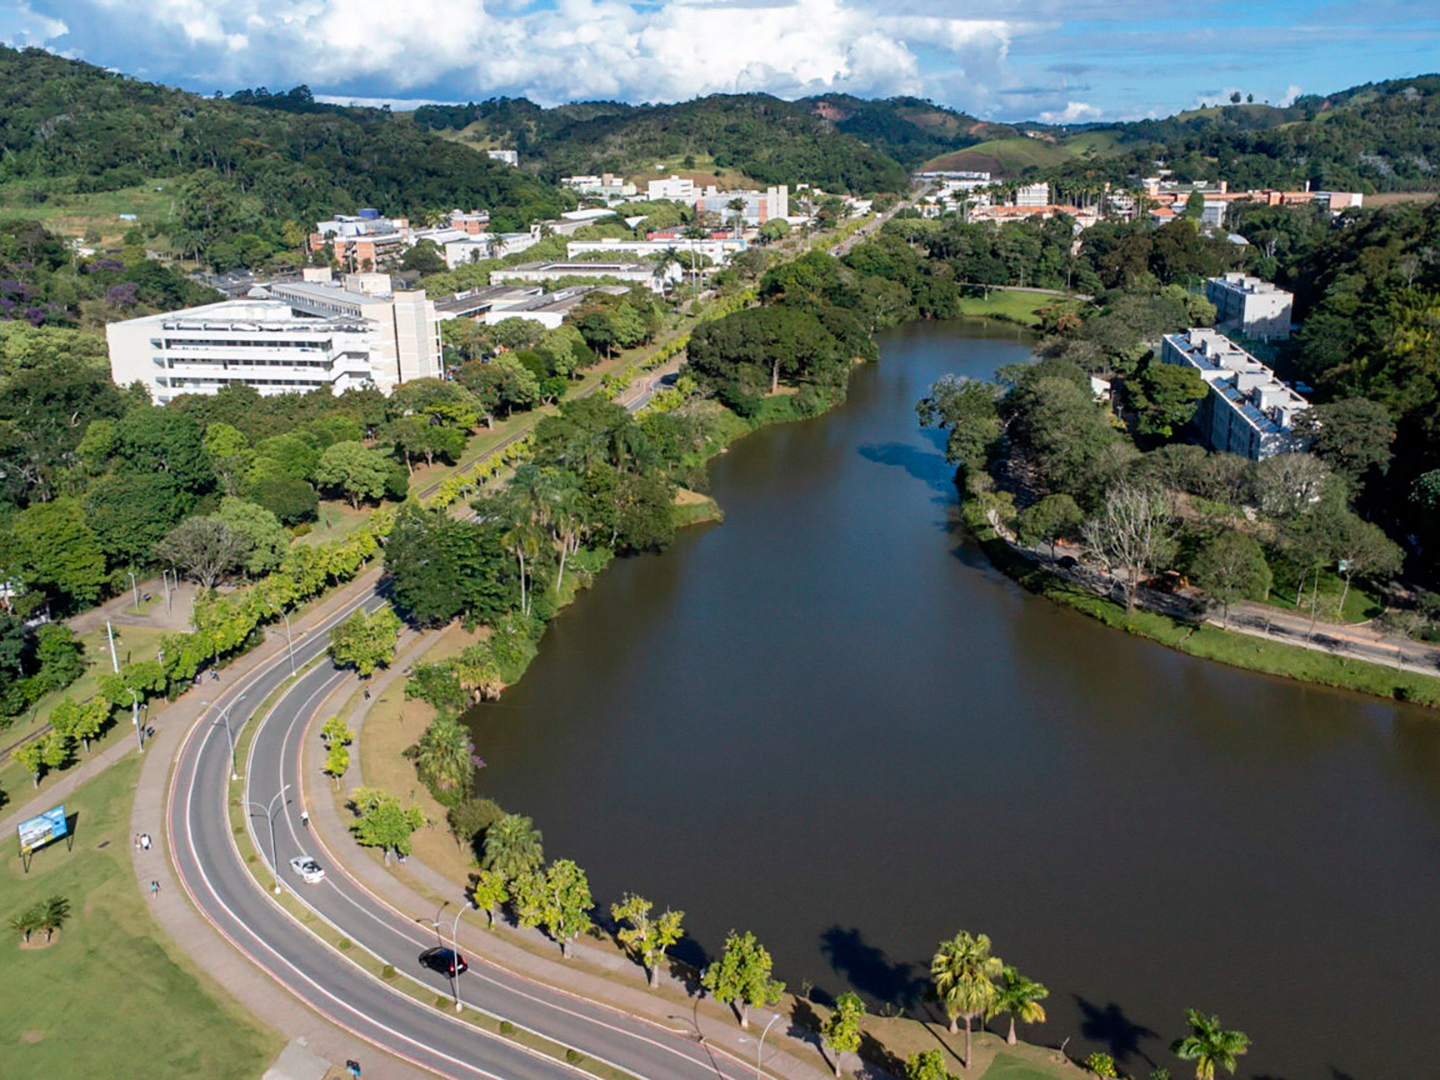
<point>305,336</point>
<point>1248,410</point>
<point>1254,308</point>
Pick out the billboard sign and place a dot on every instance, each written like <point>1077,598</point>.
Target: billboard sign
<point>39,831</point>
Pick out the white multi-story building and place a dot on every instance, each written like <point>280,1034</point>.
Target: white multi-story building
<point>1257,309</point>
<point>717,251</point>
<point>1032,195</point>
<point>509,157</point>
<point>1248,410</point>
<point>305,336</point>
<point>637,273</point>
<point>605,186</point>
<point>760,206</point>
<point>673,188</point>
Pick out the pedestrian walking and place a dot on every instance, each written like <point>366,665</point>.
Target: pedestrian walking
<point>305,818</point>
<point>154,889</point>
<point>353,1068</point>
<point>137,841</point>
<point>145,841</point>
<point>367,693</point>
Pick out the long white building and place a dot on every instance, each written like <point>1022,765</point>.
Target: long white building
<point>305,336</point>
<point>1248,410</point>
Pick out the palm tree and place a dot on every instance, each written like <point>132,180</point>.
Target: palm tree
<point>53,913</point>
<point>476,672</point>
<point>445,755</point>
<point>513,847</point>
<point>1020,997</point>
<point>962,971</point>
<point>1208,1045</point>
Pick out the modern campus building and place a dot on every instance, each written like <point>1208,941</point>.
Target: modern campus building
<point>1248,410</point>
<point>295,338</point>
<point>1254,308</point>
<point>759,206</point>
<point>637,273</point>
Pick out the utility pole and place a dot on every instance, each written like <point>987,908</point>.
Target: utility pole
<point>110,632</point>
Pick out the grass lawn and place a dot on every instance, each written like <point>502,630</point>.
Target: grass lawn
<point>131,643</point>
<point>73,214</point>
<point>1361,605</point>
<point>1016,307</point>
<point>335,520</point>
<point>109,997</point>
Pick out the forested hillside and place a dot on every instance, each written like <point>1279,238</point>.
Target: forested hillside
<point>766,139</point>
<point>250,165</point>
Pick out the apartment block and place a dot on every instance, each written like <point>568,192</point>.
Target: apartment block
<point>1248,410</point>
<point>1254,308</point>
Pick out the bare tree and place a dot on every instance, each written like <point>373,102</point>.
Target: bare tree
<point>205,547</point>
<point>1286,484</point>
<point>1132,533</point>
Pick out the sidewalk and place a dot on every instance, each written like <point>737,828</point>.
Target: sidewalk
<point>709,1023</point>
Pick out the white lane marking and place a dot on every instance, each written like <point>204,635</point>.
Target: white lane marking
<point>403,926</point>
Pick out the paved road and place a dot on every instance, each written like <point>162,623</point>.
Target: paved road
<point>211,871</point>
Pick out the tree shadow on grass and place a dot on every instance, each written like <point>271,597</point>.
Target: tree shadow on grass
<point>1117,1032</point>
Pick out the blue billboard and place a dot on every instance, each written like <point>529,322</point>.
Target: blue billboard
<point>41,830</point>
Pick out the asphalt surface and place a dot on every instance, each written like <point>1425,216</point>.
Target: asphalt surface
<point>246,914</point>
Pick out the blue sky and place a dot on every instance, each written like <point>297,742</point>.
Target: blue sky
<point>1053,60</point>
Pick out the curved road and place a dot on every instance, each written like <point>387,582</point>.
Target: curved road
<point>244,912</point>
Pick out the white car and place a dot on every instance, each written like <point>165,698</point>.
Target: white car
<point>308,868</point>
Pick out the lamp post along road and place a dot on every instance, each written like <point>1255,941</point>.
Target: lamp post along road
<point>269,812</point>
<point>454,946</point>
<point>760,1050</point>
<point>230,735</point>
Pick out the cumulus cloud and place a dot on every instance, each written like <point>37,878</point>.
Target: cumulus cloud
<point>1075,112</point>
<point>1291,93</point>
<point>578,48</point>
<point>21,26</point>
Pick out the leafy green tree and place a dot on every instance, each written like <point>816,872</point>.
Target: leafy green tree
<point>1165,397</point>
<point>1020,997</point>
<point>381,822</point>
<point>356,472</point>
<point>841,1030</point>
<point>963,972</point>
<point>1053,518</point>
<point>927,1065</point>
<point>560,902</point>
<point>26,922</point>
<point>1102,1065</point>
<point>261,539</point>
<point>230,455</point>
<point>75,720</point>
<point>1363,550</point>
<point>646,937</point>
<point>337,737</point>
<point>445,756</point>
<point>1229,567</point>
<point>365,642</point>
<point>290,499</point>
<point>61,658</point>
<point>1352,435</point>
<point>49,751</point>
<point>132,512</point>
<point>966,410</point>
<point>469,817</point>
<point>153,439</point>
<point>490,891</point>
<point>1209,1045</point>
<point>58,553</point>
<point>204,547</point>
<point>54,914</point>
<point>441,567</point>
<point>741,977</point>
<point>337,761</point>
<point>513,847</point>
<point>425,258</point>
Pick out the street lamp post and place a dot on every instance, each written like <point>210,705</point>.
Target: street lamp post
<point>760,1050</point>
<point>454,946</point>
<point>230,735</point>
<point>134,588</point>
<point>269,812</point>
<point>135,718</point>
<point>289,641</point>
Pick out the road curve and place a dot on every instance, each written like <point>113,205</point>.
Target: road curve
<point>244,912</point>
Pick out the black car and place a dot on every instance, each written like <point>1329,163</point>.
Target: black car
<point>445,961</point>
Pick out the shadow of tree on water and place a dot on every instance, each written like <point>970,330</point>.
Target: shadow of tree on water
<point>1111,1027</point>
<point>870,971</point>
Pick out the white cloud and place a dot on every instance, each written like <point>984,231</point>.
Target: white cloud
<point>20,25</point>
<point>1075,112</point>
<point>1291,93</point>
<point>582,48</point>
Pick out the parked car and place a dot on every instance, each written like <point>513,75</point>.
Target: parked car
<point>445,961</point>
<point>310,870</point>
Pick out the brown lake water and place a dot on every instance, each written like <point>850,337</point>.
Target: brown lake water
<point>829,721</point>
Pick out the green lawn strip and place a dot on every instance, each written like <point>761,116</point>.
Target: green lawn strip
<point>1361,604</point>
<point>1206,641</point>
<point>111,996</point>
<point>1008,1065</point>
<point>1016,307</point>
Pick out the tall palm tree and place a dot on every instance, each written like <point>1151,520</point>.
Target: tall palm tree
<point>1020,997</point>
<point>1208,1045</point>
<point>963,972</point>
<point>513,847</point>
<point>445,755</point>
